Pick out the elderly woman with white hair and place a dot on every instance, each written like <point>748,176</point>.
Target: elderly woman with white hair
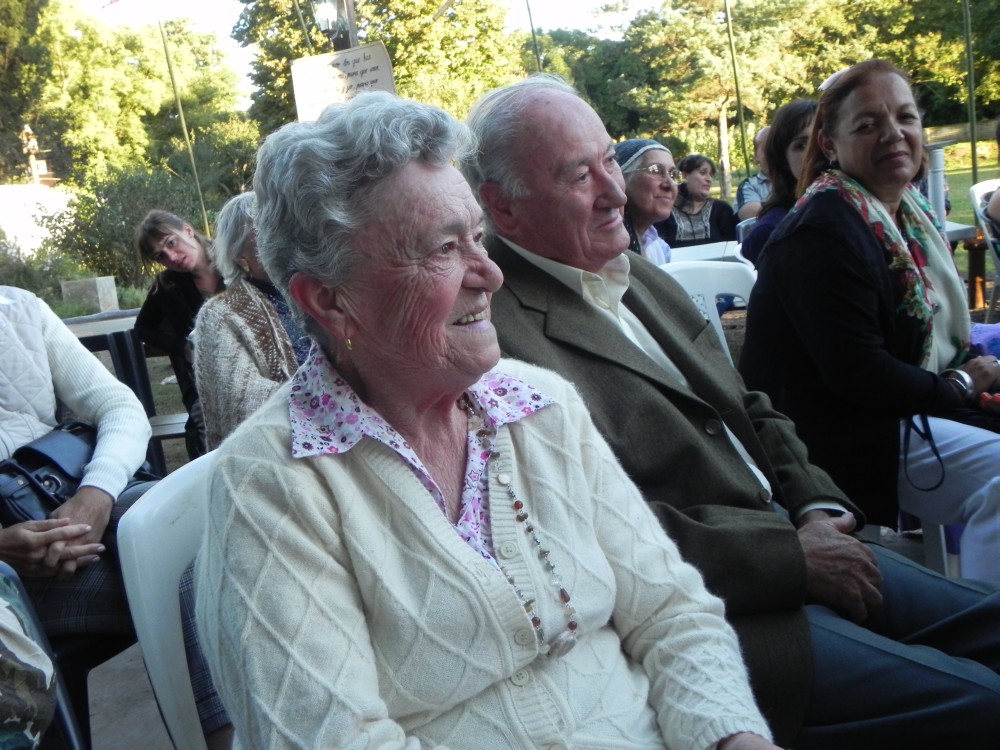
<point>415,543</point>
<point>247,343</point>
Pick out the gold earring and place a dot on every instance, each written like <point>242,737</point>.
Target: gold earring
<point>347,343</point>
<point>244,265</point>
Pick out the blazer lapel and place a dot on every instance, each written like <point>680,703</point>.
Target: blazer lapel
<point>572,321</point>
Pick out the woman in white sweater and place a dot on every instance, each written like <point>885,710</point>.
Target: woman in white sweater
<point>415,543</point>
<point>42,363</point>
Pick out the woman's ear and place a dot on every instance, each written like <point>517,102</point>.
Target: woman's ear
<point>322,303</point>
<point>827,146</point>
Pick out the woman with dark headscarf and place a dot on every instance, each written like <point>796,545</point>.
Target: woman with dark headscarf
<point>651,188</point>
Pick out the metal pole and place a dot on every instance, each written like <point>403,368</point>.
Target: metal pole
<point>971,80</point>
<point>302,23</point>
<point>534,37</point>
<point>187,139</point>
<point>736,79</point>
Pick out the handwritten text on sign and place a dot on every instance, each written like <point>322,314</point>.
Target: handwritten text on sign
<point>321,80</point>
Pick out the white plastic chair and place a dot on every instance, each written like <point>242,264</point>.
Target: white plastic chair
<point>744,227</point>
<point>705,280</point>
<point>158,537</point>
<point>976,193</point>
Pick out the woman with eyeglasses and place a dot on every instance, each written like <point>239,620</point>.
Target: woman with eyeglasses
<point>651,188</point>
<point>698,218</point>
<point>168,314</point>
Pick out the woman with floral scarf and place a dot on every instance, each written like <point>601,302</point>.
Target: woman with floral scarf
<point>858,327</point>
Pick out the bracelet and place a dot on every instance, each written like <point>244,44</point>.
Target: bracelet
<point>963,383</point>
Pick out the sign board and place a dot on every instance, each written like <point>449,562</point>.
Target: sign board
<point>321,80</point>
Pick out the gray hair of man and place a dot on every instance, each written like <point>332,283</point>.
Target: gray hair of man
<point>318,183</point>
<point>234,231</point>
<point>497,121</point>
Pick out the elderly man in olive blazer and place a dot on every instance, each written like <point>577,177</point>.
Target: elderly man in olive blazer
<point>729,479</point>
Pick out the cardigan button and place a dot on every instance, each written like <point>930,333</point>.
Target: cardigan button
<point>713,427</point>
<point>521,677</point>
<point>525,637</point>
<point>503,478</point>
<point>509,550</point>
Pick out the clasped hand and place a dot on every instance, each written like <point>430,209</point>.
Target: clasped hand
<point>985,373</point>
<point>842,573</point>
<point>59,545</point>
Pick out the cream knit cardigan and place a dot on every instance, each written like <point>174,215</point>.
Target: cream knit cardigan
<point>338,608</point>
<point>42,361</point>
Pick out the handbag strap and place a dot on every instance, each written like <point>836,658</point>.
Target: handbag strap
<point>928,437</point>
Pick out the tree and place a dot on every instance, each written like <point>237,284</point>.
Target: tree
<point>18,48</point>
<point>448,59</point>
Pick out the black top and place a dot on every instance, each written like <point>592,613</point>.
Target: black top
<point>825,339</point>
<point>166,320</point>
<point>721,226</point>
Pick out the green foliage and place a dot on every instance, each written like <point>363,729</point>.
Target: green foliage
<point>449,60</point>
<point>97,230</point>
<point>40,273</point>
<point>225,152</point>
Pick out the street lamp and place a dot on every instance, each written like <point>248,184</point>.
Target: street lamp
<point>335,19</point>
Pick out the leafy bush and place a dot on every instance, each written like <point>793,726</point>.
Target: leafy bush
<point>40,274</point>
<point>96,230</point>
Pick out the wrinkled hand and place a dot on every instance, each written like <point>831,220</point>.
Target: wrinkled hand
<point>985,372</point>
<point>842,572</point>
<point>89,506</point>
<point>37,548</point>
<point>746,741</point>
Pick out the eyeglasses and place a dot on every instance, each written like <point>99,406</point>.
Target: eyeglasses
<point>658,170</point>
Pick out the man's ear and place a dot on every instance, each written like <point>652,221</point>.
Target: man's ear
<point>500,208</point>
<point>321,303</point>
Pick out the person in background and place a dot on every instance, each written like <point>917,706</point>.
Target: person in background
<point>697,218</point>
<point>755,190</point>
<point>848,644</point>
<point>858,326</point>
<point>74,582</point>
<point>414,543</point>
<point>167,317</point>
<point>247,343</point>
<point>650,174</point>
<point>784,150</point>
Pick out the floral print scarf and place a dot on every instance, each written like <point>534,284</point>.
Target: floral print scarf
<point>920,262</point>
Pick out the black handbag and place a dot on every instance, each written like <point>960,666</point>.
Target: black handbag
<point>45,473</point>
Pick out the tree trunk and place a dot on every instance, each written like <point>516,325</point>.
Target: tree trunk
<point>725,172</point>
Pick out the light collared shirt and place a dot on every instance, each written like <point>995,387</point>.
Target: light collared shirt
<point>604,291</point>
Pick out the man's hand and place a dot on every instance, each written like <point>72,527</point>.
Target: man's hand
<point>89,506</point>
<point>842,572</point>
<point>37,548</point>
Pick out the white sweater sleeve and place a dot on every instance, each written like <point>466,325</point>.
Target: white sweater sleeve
<point>668,621</point>
<point>93,394</point>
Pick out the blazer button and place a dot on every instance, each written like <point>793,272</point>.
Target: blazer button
<point>521,677</point>
<point>713,427</point>
<point>765,496</point>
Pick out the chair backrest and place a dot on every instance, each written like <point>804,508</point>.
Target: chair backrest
<point>976,193</point>
<point>158,537</point>
<point>704,280</point>
<point>744,227</point>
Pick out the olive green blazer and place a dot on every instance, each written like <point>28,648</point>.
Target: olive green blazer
<point>671,442</point>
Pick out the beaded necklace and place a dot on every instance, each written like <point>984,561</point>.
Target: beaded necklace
<point>566,640</point>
